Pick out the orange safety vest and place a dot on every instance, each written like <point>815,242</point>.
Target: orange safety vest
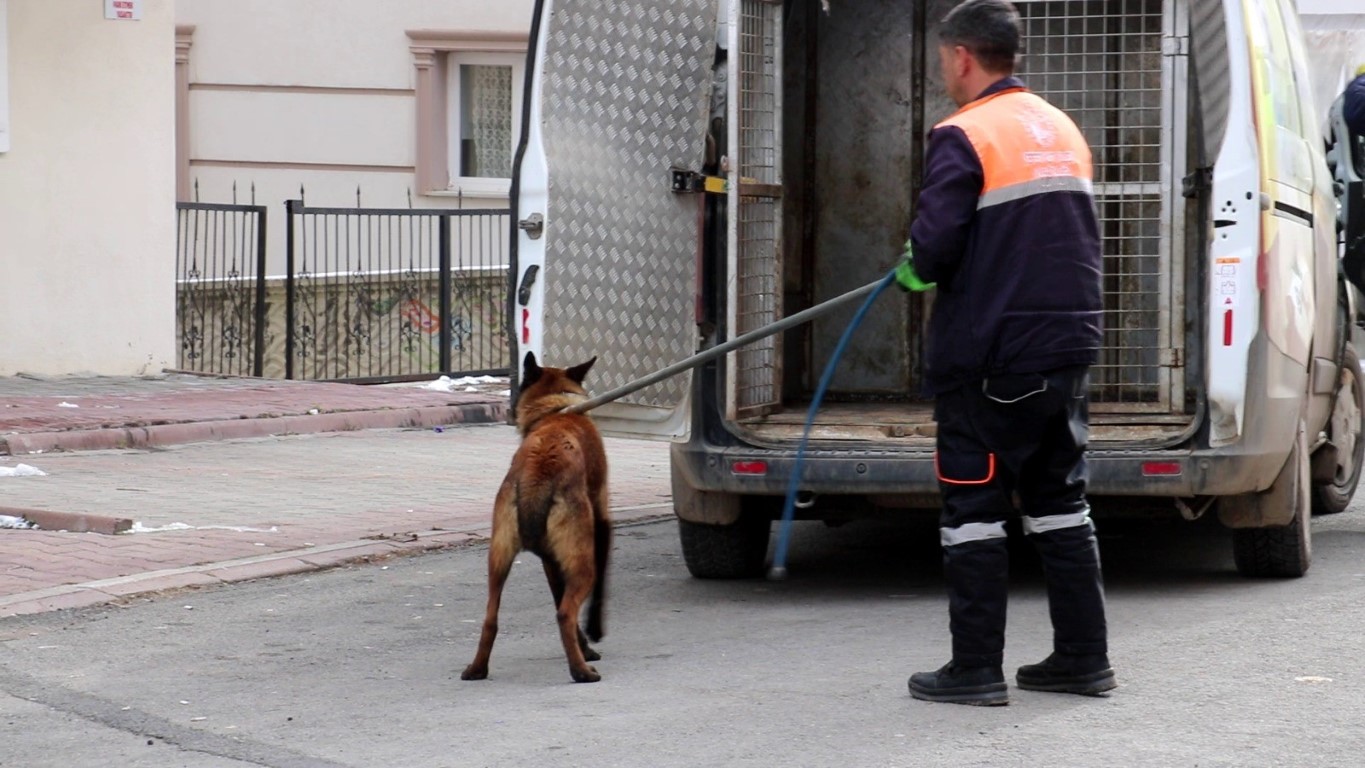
<point>1050,154</point>
<point>1024,295</point>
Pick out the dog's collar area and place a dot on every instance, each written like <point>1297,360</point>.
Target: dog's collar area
<point>566,399</point>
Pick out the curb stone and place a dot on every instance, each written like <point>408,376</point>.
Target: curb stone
<point>156,435</point>
<point>72,522</point>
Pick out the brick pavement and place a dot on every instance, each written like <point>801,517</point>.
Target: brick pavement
<point>230,510</point>
<point>44,414</point>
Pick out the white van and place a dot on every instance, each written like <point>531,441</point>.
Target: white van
<point>690,170</point>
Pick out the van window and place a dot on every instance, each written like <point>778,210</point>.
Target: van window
<point>1280,112</point>
<point>1270,48</point>
<point>1310,118</point>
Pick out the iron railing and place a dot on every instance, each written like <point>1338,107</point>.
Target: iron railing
<point>378,294</point>
<point>220,288</point>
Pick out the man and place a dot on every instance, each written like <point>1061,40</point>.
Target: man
<point>1006,230</point>
<point>1353,103</point>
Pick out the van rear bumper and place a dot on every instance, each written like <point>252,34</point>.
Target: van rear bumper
<point>1155,473</point>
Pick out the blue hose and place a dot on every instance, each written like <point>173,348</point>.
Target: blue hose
<point>779,567</point>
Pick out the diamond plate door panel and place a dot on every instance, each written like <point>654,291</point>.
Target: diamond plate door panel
<point>626,87</point>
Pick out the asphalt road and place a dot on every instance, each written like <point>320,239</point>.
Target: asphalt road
<point>360,666</point>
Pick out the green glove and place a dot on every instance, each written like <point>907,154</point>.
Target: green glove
<point>905,274</point>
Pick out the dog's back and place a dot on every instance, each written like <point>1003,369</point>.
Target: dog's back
<point>561,459</point>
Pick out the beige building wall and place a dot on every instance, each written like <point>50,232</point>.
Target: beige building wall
<point>87,214</point>
<point>320,94</point>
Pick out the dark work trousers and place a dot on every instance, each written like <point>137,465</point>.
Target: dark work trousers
<point>1026,435</point>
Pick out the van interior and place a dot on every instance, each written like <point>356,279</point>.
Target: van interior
<point>834,111</point>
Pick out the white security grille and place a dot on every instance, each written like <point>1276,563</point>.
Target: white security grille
<point>756,369</point>
<point>1101,61</point>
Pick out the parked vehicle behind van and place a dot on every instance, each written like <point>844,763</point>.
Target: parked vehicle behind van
<point>695,169</point>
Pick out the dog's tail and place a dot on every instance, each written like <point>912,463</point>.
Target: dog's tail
<point>597,627</point>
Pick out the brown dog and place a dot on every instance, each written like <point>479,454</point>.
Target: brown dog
<point>553,502</point>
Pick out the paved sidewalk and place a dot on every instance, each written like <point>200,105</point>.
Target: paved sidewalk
<point>215,512</point>
<point>227,479</point>
<point>41,415</point>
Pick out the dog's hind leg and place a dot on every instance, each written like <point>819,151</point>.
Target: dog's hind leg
<point>556,580</point>
<point>502,552</point>
<point>571,544</point>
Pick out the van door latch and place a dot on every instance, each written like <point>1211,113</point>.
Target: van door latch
<point>532,225</point>
<point>683,181</point>
<point>1198,182</point>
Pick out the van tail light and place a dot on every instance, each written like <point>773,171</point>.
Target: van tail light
<point>1161,468</point>
<point>756,468</point>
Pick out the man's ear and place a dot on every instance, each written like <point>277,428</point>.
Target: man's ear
<point>963,60</point>
<point>530,371</point>
<point>580,372</point>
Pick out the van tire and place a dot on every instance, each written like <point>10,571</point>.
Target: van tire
<point>1334,496</point>
<point>1282,550</point>
<point>1273,552</point>
<point>735,551</point>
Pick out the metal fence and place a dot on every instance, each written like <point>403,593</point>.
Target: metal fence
<point>367,295</point>
<point>220,288</point>
<point>392,294</point>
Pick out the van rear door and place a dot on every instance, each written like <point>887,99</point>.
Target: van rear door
<point>605,260</point>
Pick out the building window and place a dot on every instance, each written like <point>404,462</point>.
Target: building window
<point>469,93</point>
<point>4,75</point>
<point>485,115</point>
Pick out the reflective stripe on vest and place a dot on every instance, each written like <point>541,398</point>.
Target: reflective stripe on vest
<point>1049,154</point>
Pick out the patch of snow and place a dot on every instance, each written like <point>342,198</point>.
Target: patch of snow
<point>464,383</point>
<point>9,521</point>
<point>21,470</point>
<point>65,404</point>
<point>140,528</point>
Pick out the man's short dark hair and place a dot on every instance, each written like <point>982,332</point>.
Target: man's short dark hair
<point>990,29</point>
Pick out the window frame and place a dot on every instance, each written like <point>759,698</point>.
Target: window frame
<point>432,52</point>
<point>480,186</point>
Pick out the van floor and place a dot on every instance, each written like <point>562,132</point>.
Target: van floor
<point>913,422</point>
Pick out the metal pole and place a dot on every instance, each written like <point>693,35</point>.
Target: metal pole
<point>443,302</point>
<point>803,316</point>
<point>290,208</point>
<point>258,359</point>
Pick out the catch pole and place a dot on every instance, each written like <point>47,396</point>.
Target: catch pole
<point>707,355</point>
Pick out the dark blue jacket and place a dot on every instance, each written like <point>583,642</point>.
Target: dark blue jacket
<point>1353,106</point>
<point>1019,282</point>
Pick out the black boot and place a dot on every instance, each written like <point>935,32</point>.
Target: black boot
<point>1060,673</point>
<point>982,686</point>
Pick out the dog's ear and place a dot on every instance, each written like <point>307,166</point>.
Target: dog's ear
<point>530,370</point>
<point>580,372</point>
